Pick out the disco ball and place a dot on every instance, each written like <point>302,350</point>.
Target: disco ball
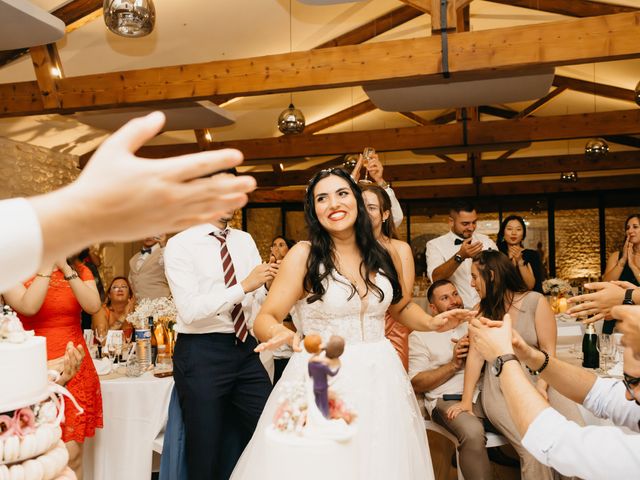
<point>596,148</point>
<point>291,121</point>
<point>637,95</point>
<point>349,162</point>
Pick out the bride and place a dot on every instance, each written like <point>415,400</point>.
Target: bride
<point>341,283</point>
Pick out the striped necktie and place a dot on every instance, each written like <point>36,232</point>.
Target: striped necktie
<point>237,315</point>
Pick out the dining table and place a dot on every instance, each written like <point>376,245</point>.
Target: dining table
<point>134,412</point>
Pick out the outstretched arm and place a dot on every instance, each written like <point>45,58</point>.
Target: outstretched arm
<point>287,288</point>
<point>472,371</point>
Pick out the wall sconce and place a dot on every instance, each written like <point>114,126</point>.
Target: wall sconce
<point>569,177</point>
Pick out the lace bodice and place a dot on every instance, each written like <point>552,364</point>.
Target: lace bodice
<point>356,320</point>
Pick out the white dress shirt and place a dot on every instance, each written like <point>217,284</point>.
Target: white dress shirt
<point>592,452</point>
<point>430,350</point>
<point>396,209</point>
<point>194,270</point>
<point>144,255</point>
<point>21,244</point>
<point>441,249</point>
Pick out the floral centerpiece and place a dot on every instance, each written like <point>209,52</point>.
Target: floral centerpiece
<point>161,309</point>
<point>556,286</point>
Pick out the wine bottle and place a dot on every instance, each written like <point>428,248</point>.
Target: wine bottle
<point>154,341</point>
<point>590,354</point>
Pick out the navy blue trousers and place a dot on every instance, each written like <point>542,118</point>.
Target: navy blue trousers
<point>222,388</point>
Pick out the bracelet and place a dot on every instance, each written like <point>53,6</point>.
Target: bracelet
<point>42,275</point>
<point>544,365</point>
<point>71,277</point>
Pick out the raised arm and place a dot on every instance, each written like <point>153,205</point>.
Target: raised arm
<point>547,333</point>
<point>413,317</point>
<point>83,286</point>
<point>615,265</point>
<point>28,300</point>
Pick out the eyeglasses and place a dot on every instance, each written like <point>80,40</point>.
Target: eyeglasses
<point>630,383</point>
<point>119,287</point>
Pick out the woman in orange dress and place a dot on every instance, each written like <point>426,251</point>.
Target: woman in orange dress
<point>118,305</point>
<point>50,303</point>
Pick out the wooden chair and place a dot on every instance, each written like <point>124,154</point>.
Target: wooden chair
<point>493,440</point>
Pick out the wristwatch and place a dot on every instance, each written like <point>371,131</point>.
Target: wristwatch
<point>496,368</point>
<point>628,297</point>
<point>458,258</point>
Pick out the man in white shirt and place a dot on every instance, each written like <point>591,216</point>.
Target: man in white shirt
<point>449,256</point>
<point>215,274</point>
<point>436,369</point>
<point>110,201</point>
<point>591,452</point>
<point>146,269</point>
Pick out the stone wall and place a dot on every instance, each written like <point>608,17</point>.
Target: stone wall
<point>29,170</point>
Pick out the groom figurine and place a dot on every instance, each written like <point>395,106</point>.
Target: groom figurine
<point>216,274</point>
<point>320,368</point>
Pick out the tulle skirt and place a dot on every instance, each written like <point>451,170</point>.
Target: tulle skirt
<point>390,441</point>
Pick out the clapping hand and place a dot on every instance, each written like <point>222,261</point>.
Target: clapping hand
<point>597,305</point>
<point>469,248</point>
<point>491,338</point>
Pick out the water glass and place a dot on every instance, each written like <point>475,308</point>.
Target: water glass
<point>606,349</point>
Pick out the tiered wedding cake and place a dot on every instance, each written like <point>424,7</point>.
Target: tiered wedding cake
<point>302,439</point>
<point>30,436</point>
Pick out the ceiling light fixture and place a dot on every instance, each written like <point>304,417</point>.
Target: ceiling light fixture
<point>291,120</point>
<point>637,94</point>
<point>129,18</point>
<point>569,177</point>
<point>596,148</point>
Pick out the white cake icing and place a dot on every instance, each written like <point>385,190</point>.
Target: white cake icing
<point>298,456</point>
<point>23,373</point>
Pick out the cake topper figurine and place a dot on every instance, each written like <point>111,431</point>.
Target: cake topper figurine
<point>324,363</point>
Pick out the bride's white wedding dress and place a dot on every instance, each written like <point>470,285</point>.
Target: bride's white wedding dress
<point>391,442</point>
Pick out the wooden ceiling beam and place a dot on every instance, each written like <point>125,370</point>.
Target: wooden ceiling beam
<point>375,27</point>
<point>417,119</point>
<point>594,88</point>
<point>617,183</point>
<point>557,164</point>
<point>539,103</point>
<point>48,68</point>
<point>485,136</point>
<point>473,55</point>
<point>340,117</point>
<point>570,8</point>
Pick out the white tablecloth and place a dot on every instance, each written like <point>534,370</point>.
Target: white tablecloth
<point>135,411</point>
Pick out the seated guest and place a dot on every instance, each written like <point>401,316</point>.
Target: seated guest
<point>146,274</point>
<point>378,206</point>
<point>624,265</point>
<point>502,290</point>
<point>511,236</point>
<point>119,304</point>
<point>436,369</point>
<point>585,452</point>
<point>50,303</point>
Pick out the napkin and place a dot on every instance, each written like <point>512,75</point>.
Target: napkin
<point>103,366</point>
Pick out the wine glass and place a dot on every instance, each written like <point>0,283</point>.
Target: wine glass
<point>367,154</point>
<point>100,334</point>
<point>606,348</point>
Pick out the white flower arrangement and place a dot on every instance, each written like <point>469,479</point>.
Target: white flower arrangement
<point>156,308</point>
<point>556,286</point>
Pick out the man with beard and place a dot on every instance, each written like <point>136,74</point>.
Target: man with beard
<point>449,256</point>
<point>436,369</point>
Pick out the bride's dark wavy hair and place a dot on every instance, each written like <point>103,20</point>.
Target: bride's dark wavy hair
<point>320,263</point>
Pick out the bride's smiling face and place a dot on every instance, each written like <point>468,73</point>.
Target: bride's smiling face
<point>335,204</point>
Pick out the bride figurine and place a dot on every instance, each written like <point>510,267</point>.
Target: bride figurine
<point>342,283</point>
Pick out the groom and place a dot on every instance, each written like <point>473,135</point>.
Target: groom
<point>216,276</point>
